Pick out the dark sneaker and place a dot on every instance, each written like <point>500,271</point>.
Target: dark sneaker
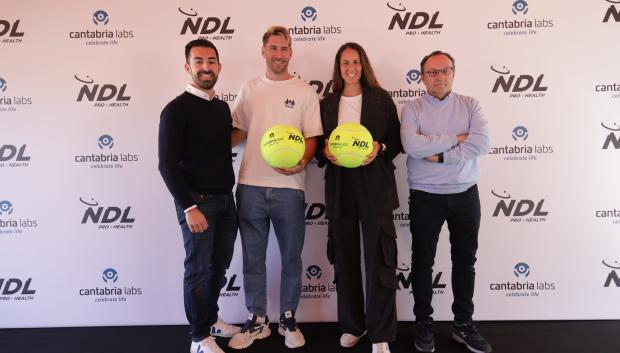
<point>467,334</point>
<point>293,338</point>
<point>253,329</point>
<point>424,341</point>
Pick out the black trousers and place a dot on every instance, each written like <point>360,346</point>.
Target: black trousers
<point>377,314</point>
<point>428,212</point>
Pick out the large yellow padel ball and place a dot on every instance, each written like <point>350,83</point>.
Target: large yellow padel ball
<point>282,146</point>
<point>350,143</point>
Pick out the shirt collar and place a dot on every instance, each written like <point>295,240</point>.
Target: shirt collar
<point>198,93</point>
<point>437,100</point>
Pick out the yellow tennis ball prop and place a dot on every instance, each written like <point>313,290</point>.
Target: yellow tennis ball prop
<point>282,146</point>
<point>351,144</point>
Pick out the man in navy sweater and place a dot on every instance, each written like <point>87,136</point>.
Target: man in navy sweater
<point>195,161</point>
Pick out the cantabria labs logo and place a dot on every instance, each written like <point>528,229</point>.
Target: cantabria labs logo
<point>99,32</point>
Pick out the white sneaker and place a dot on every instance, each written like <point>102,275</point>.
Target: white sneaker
<point>222,329</point>
<point>293,338</point>
<point>208,345</point>
<point>253,329</point>
<point>348,340</point>
<point>382,347</point>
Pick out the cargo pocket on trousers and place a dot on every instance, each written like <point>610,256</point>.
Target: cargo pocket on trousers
<point>389,251</point>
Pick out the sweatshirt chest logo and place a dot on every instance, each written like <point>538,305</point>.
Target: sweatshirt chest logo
<point>289,103</point>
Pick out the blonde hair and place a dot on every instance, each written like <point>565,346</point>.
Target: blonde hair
<point>277,31</point>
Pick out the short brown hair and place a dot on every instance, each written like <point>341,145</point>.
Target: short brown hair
<point>277,31</point>
<point>435,53</point>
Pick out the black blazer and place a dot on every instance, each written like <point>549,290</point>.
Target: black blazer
<point>380,118</point>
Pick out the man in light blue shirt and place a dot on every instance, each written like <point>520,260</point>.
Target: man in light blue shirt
<point>443,134</point>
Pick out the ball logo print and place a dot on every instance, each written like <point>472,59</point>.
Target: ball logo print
<point>2,85</point>
<point>521,269</point>
<point>308,13</point>
<point>282,146</point>
<point>105,141</point>
<point>413,76</point>
<point>313,272</point>
<point>351,144</point>
<point>101,17</point>
<point>519,133</point>
<point>110,275</point>
<point>6,207</point>
<point>519,6</point>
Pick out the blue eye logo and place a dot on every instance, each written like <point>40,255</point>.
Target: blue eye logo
<point>522,269</point>
<point>519,6</point>
<point>313,271</point>
<point>101,17</point>
<point>413,76</point>
<point>105,141</point>
<point>6,207</point>
<point>110,275</point>
<point>308,13</point>
<point>2,84</point>
<point>519,133</point>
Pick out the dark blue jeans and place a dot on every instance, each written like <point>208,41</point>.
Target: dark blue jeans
<point>428,212</point>
<point>207,257</point>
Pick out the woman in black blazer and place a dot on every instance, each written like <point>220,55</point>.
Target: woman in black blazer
<point>364,195</point>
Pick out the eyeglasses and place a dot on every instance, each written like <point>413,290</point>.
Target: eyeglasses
<point>445,71</point>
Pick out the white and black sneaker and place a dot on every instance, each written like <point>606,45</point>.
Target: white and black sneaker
<point>223,329</point>
<point>208,345</point>
<point>255,328</point>
<point>293,338</point>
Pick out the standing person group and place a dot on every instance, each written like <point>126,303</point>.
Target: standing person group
<point>442,133</point>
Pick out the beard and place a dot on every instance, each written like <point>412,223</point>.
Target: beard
<point>205,84</point>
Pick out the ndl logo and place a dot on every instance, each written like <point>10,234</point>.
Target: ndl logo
<point>518,86</point>
<point>612,277</point>
<point>102,95</point>
<point>10,32</point>
<point>413,23</point>
<point>517,211</point>
<point>404,280</point>
<point>612,13</point>
<point>232,287</point>
<point>14,156</point>
<point>111,217</point>
<point>16,289</point>
<point>613,138</point>
<point>315,214</point>
<point>212,28</point>
<point>322,88</point>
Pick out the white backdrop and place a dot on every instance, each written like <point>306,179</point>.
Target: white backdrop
<point>87,229</point>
